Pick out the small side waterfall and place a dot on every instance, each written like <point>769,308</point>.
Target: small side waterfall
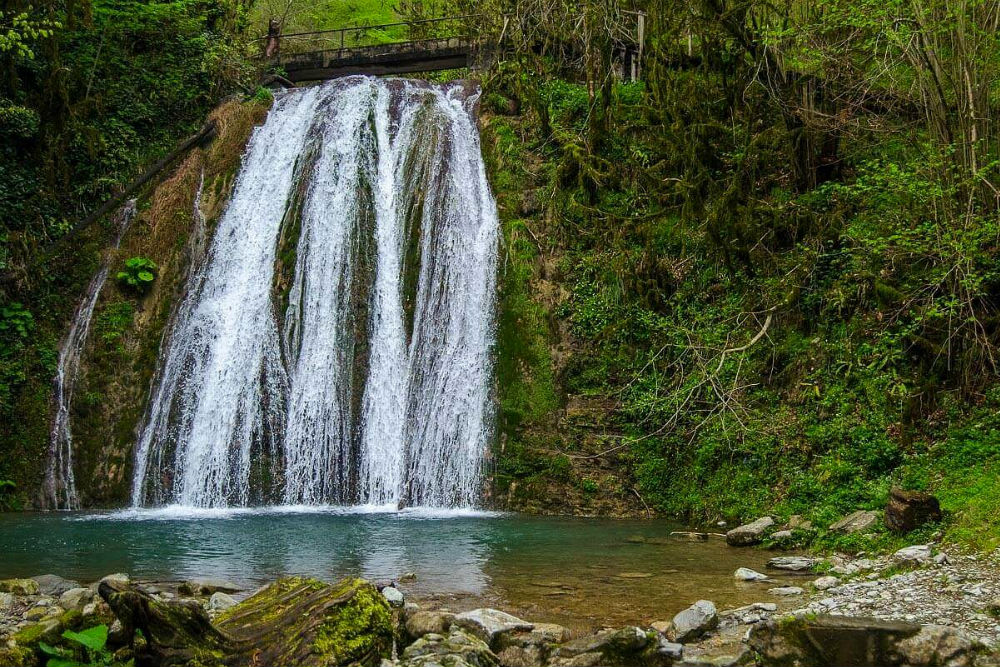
<point>60,485</point>
<point>359,372</point>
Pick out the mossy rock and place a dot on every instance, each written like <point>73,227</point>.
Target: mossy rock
<point>295,621</point>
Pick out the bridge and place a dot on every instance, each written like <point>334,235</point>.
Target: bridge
<point>327,54</point>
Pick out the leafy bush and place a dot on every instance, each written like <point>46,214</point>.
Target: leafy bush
<point>139,274</point>
<point>16,322</point>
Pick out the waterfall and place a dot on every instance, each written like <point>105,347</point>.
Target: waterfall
<point>60,485</point>
<point>334,345</point>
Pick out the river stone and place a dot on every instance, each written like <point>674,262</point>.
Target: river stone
<point>457,649</point>
<point>695,621</point>
<point>394,596</point>
<point>918,553</point>
<point>792,563</point>
<point>826,583</point>
<point>750,533</point>
<point>746,574</point>
<point>220,601</point>
<point>488,623</point>
<point>542,634</point>
<point>907,510</point>
<point>796,522</point>
<point>614,648</point>
<point>19,586</point>
<point>50,584</point>
<point>36,613</point>
<point>786,590</point>
<point>207,586</point>
<point>855,522</point>
<point>747,615</point>
<point>420,623</point>
<point>522,656</point>
<point>118,581</point>
<point>76,598</point>
<point>782,536</point>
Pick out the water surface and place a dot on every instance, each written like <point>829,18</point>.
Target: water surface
<point>580,572</point>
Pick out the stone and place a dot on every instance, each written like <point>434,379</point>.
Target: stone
<point>75,599</point>
<point>908,510</point>
<point>826,583</point>
<point>690,536</point>
<point>695,621</point>
<point>627,646</point>
<point>843,640</point>
<point>937,645</point>
<point>782,536</point>
<point>394,596</point>
<point>488,623</point>
<point>50,584</point>
<point>663,627</point>
<point>220,601</point>
<point>522,656</point>
<point>421,623</point>
<point>207,586</point>
<point>918,553</point>
<point>457,649</point>
<point>19,586</point>
<point>785,591</point>
<point>796,522</point>
<point>118,581</point>
<point>746,574</point>
<point>747,614</point>
<point>6,601</point>
<point>750,533</point>
<point>541,634</point>
<point>36,613</point>
<point>793,563</point>
<point>856,522</point>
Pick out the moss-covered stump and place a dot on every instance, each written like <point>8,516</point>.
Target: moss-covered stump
<point>294,621</point>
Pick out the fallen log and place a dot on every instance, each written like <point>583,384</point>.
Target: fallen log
<point>293,621</point>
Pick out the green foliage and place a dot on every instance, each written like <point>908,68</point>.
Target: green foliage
<point>91,643</point>
<point>16,322</point>
<point>138,274</point>
<point>19,29</point>
<point>17,121</point>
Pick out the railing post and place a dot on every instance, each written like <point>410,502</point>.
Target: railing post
<point>273,38</point>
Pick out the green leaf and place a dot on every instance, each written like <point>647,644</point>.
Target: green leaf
<point>93,638</point>
<point>64,662</point>
<point>52,650</point>
<point>146,276</point>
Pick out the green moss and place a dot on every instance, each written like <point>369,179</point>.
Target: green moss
<point>362,629</point>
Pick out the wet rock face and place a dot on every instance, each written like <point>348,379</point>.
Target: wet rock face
<point>819,641</point>
<point>907,510</point>
<point>750,533</point>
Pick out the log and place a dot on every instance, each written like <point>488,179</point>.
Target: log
<point>294,621</point>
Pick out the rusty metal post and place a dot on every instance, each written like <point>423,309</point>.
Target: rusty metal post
<point>273,38</point>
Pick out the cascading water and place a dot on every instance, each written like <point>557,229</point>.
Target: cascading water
<point>60,483</point>
<point>360,371</point>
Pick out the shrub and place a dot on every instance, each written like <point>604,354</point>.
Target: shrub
<point>138,275</point>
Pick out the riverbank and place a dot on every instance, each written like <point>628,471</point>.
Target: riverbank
<point>919,606</point>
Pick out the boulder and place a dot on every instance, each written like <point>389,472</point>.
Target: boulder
<point>520,648</point>
<point>856,522</point>
<point>826,583</point>
<point>119,581</point>
<point>796,522</point>
<point>6,602</point>
<point>782,536</point>
<point>19,586</point>
<point>807,641</point>
<point>220,601</point>
<point>785,591</point>
<point>420,623</point>
<point>695,621</point>
<point>920,554</point>
<point>750,533</point>
<point>394,596</point>
<point>628,646</point>
<point>76,599</point>
<point>907,510</point>
<point>488,623</point>
<point>50,584</point>
<point>746,574</point>
<point>793,563</point>
<point>457,649</point>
